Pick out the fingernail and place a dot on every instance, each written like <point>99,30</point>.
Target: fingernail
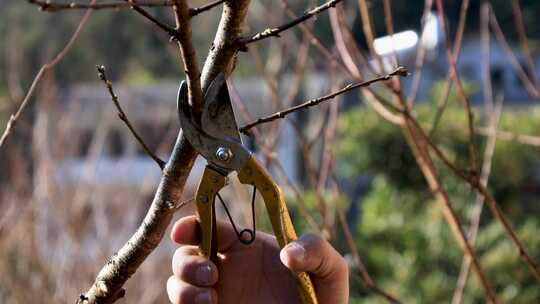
<point>203,298</point>
<point>204,274</point>
<point>296,251</point>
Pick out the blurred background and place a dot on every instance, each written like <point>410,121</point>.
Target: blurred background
<point>75,184</point>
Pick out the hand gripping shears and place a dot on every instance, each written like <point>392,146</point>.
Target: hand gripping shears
<point>218,140</point>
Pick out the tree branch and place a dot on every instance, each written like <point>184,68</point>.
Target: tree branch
<point>108,286</point>
<point>44,69</point>
<point>479,201</point>
<point>419,144</point>
<point>473,163</point>
<point>188,56</point>
<point>204,8</point>
<point>489,199</point>
<point>48,6</point>
<point>173,33</point>
<point>274,32</point>
<point>400,71</point>
<point>122,115</point>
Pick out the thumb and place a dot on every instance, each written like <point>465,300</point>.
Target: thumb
<point>327,268</point>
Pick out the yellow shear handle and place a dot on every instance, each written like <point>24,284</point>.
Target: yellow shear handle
<point>253,173</point>
<point>211,182</point>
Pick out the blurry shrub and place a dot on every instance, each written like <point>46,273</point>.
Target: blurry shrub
<point>401,232</point>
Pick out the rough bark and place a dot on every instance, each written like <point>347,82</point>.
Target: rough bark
<point>108,286</point>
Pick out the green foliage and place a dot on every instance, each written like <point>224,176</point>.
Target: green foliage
<point>401,232</point>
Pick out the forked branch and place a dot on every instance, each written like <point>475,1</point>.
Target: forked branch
<point>108,285</point>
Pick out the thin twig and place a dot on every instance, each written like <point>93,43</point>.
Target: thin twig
<point>49,6</point>
<point>344,40</point>
<point>455,76</point>
<point>44,69</point>
<point>367,29</point>
<point>497,31</point>
<point>523,139</point>
<point>420,58</point>
<point>485,63</point>
<point>419,144</point>
<point>479,202</point>
<point>349,238</point>
<point>271,158</point>
<point>122,115</point>
<point>108,285</point>
<point>204,8</point>
<point>274,32</point>
<point>278,102</point>
<point>389,22</point>
<point>443,99</point>
<point>400,71</point>
<point>520,29</point>
<point>490,200</point>
<point>173,33</point>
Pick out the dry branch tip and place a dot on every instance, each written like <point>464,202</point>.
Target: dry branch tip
<point>122,116</point>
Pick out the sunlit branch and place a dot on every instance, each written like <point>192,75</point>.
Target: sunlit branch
<point>400,71</point>
<point>460,89</point>
<point>274,32</point>
<point>49,6</point>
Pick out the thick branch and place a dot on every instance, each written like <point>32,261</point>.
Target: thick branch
<point>222,55</point>
<point>122,115</point>
<point>459,85</point>
<point>108,285</point>
<point>274,32</point>
<point>188,55</point>
<point>400,71</point>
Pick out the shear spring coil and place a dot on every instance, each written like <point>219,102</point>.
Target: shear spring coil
<point>250,232</point>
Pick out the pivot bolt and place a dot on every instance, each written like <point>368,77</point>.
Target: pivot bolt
<point>224,154</point>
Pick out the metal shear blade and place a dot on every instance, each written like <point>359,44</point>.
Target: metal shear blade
<point>218,116</point>
<point>219,131</point>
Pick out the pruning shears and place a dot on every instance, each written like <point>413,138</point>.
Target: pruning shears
<point>218,140</point>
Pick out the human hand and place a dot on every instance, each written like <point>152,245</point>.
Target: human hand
<point>253,273</point>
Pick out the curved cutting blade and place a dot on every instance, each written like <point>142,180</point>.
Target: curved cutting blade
<point>218,116</point>
<point>208,144</point>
